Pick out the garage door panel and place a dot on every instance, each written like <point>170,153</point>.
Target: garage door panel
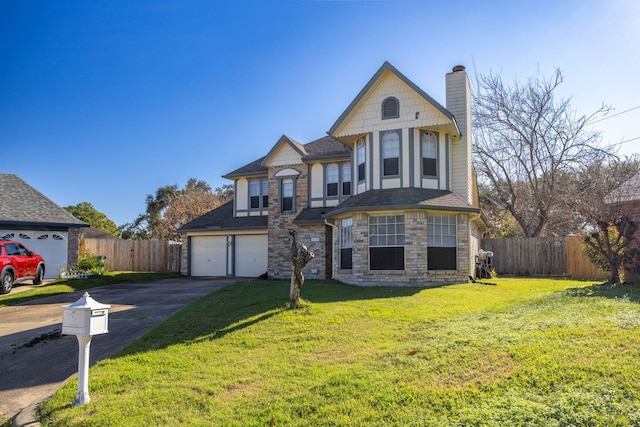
<point>251,255</point>
<point>208,256</point>
<point>51,245</point>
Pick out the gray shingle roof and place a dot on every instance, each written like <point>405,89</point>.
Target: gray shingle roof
<point>222,219</point>
<point>326,148</point>
<point>402,198</point>
<point>320,149</point>
<point>21,204</point>
<point>629,191</point>
<point>254,168</point>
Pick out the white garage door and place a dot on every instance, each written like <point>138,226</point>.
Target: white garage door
<point>209,256</point>
<point>51,245</point>
<point>251,255</point>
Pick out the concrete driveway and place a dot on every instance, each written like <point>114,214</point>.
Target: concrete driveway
<point>36,360</point>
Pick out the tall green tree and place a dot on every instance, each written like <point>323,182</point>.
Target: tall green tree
<point>85,211</point>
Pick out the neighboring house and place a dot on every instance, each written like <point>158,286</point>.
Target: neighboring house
<point>26,215</point>
<point>629,194</point>
<point>388,197</point>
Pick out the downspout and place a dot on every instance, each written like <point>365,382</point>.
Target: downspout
<point>333,226</point>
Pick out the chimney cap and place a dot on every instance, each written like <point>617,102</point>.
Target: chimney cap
<point>458,68</point>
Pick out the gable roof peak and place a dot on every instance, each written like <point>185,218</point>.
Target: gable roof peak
<point>386,66</point>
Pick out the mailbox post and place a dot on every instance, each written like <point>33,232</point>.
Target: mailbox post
<point>84,319</point>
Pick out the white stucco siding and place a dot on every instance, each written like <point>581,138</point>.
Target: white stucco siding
<point>367,115</point>
<point>241,197</point>
<point>284,155</point>
<point>459,103</point>
<point>317,180</point>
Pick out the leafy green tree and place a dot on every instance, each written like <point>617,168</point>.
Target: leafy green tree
<point>610,222</point>
<point>85,211</point>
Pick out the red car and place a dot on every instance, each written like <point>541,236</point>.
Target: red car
<point>18,264</point>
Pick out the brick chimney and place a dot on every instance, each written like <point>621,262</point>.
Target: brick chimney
<point>459,104</point>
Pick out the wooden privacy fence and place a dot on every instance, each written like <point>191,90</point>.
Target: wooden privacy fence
<point>541,256</point>
<point>135,255</point>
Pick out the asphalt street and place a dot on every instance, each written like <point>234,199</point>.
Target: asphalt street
<point>36,359</point>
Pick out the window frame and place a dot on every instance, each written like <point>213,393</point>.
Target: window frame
<point>332,180</point>
<point>394,161</point>
<point>282,198</point>
<point>262,196</point>
<point>346,166</point>
<point>346,244</point>
<point>442,243</point>
<point>386,112</point>
<point>361,159</point>
<point>387,249</point>
<point>423,153</point>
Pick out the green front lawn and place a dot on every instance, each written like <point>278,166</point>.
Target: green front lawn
<point>534,352</point>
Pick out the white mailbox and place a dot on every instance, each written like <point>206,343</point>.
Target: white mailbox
<point>85,317</point>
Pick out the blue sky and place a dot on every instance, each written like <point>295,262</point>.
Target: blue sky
<point>106,101</point>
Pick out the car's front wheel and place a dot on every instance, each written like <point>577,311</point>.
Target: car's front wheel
<point>39,275</point>
<point>6,282</point>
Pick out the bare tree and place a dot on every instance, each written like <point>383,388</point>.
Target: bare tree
<point>299,257</point>
<point>526,145</point>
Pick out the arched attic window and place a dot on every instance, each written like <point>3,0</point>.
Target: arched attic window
<point>390,108</point>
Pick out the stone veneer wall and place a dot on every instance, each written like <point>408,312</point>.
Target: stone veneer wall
<point>415,272</point>
<point>281,222</point>
<point>73,246</point>
<point>184,261</point>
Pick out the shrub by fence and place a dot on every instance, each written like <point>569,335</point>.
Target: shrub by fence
<point>135,255</point>
<point>541,256</point>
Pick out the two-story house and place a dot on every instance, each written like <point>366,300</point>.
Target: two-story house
<point>388,197</point>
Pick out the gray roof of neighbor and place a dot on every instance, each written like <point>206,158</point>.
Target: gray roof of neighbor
<point>629,191</point>
<point>403,198</point>
<point>222,218</point>
<point>21,204</point>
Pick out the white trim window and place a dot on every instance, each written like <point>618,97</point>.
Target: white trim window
<point>333,177</point>
<point>362,159</point>
<point>346,179</point>
<point>429,147</point>
<point>258,193</point>
<point>391,153</point>
<point>442,242</point>
<point>287,196</point>
<point>346,244</point>
<point>386,242</point>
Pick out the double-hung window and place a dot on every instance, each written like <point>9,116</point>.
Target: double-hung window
<point>332,179</point>
<point>442,242</point>
<point>429,143</point>
<point>286,191</point>
<point>361,157</point>
<point>346,244</point>
<point>346,179</point>
<point>390,153</point>
<point>258,193</point>
<point>386,242</point>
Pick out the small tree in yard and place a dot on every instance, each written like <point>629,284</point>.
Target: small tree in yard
<point>610,224</point>
<point>299,257</point>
